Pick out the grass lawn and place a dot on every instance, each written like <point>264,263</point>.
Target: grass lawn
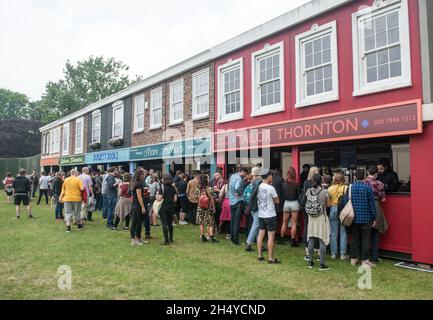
<point>105,266</point>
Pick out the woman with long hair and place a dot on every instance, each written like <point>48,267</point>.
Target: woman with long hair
<point>139,209</point>
<point>318,226</point>
<point>123,207</point>
<point>168,195</point>
<point>291,191</point>
<point>206,210</point>
<point>154,187</point>
<point>336,191</point>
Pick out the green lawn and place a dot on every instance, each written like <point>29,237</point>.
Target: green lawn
<point>105,266</point>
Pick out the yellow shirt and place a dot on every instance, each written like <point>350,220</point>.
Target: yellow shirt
<point>335,192</point>
<point>71,189</point>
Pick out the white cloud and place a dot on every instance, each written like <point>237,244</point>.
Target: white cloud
<point>37,37</point>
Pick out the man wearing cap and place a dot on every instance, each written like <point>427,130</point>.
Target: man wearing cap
<point>252,235</point>
<point>267,198</point>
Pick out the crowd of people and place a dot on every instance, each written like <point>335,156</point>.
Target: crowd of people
<point>135,202</point>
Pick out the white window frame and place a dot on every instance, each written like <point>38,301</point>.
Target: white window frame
<point>154,126</point>
<point>361,87</point>
<point>173,121</point>
<point>302,100</point>
<point>195,115</point>
<point>46,143</point>
<point>229,66</point>
<point>55,140</point>
<point>81,121</point>
<point>268,50</point>
<point>118,105</point>
<point>96,114</point>
<point>65,148</point>
<point>138,129</point>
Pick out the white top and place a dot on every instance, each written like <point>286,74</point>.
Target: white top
<point>43,182</point>
<point>265,201</point>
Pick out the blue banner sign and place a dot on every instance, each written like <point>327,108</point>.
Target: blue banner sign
<point>175,149</point>
<point>111,156</point>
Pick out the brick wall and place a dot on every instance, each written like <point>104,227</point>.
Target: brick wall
<point>156,136</point>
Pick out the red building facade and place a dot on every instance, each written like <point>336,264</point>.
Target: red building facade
<point>340,90</point>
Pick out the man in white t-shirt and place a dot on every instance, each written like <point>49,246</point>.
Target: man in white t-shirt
<point>266,199</point>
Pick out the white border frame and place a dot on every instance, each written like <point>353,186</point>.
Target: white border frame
<point>138,130</point>
<point>231,64</point>
<point>118,105</point>
<point>359,74</point>
<point>153,126</point>
<point>194,101</point>
<point>80,120</point>
<point>94,114</point>
<point>65,151</point>
<point>171,121</point>
<point>268,50</point>
<point>54,149</point>
<point>315,32</point>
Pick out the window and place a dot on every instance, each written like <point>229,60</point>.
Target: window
<point>96,126</point>
<point>381,47</point>
<point>268,80</point>
<point>117,130</point>
<point>176,102</point>
<point>230,89</point>
<point>200,95</point>
<point>46,143</point>
<point>156,108</point>
<point>55,140</point>
<point>65,140</point>
<point>139,113</point>
<point>317,65</point>
<point>79,135</point>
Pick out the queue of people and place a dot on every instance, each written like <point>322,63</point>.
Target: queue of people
<point>218,206</point>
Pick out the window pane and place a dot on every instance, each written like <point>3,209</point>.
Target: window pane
<point>326,56</point>
<point>319,74</point>
<point>317,44</point>
<point>382,56</point>
<point>371,74</point>
<point>395,69</point>
<point>310,89</point>
<point>380,24</point>
<point>369,28</point>
<point>381,39</point>
<point>369,43</point>
<point>383,72</point>
<point>317,59</point>
<point>310,76</point>
<point>319,86</point>
<point>372,60</point>
<point>308,62</point>
<point>394,54</point>
<point>392,19</point>
<point>393,36</point>
<point>309,48</point>
<point>328,85</point>
<point>327,72</point>
<point>326,42</point>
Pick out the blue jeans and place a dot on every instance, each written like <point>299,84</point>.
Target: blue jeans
<point>111,205</point>
<point>104,206</point>
<point>235,222</point>
<point>99,201</point>
<point>58,210</point>
<point>254,231</point>
<point>336,228</point>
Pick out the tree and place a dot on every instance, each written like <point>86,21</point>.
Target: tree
<point>13,105</point>
<point>85,83</point>
<point>19,138</point>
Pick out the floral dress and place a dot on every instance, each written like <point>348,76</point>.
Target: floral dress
<point>206,217</point>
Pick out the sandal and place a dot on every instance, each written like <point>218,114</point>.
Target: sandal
<point>275,261</point>
<point>261,258</point>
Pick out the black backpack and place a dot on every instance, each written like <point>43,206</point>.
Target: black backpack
<point>253,200</point>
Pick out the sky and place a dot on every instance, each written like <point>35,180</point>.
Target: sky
<point>37,37</point>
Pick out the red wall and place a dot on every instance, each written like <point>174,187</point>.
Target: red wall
<point>343,16</point>
<point>421,162</point>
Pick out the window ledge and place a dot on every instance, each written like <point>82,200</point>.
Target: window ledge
<point>175,123</point>
<point>230,119</point>
<point>200,117</point>
<point>155,127</point>
<point>382,87</point>
<point>268,110</point>
<point>314,101</point>
<point>138,131</point>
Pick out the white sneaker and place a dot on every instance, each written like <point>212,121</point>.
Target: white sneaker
<point>344,257</point>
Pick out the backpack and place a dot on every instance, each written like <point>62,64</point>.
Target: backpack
<point>254,207</point>
<point>347,215</point>
<point>203,201</point>
<point>312,206</point>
